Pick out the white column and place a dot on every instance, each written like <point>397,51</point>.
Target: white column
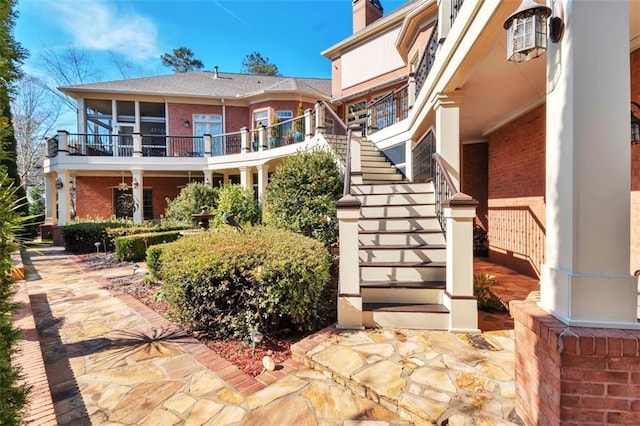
<point>460,211</point>
<point>448,132</point>
<point>319,116</point>
<point>245,137</point>
<point>137,145</point>
<point>263,178</point>
<point>225,178</point>
<point>245,177</point>
<point>49,198</point>
<point>82,115</point>
<point>262,138</point>
<point>136,125</point>
<point>349,295</point>
<point>63,142</point>
<point>585,280</point>
<point>136,190</point>
<point>208,145</point>
<point>412,90</point>
<point>208,177</point>
<point>408,159</point>
<point>356,154</point>
<point>444,18</point>
<point>308,124</point>
<point>64,198</point>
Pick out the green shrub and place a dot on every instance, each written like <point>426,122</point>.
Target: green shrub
<point>487,299</point>
<point>228,283</point>
<point>152,259</point>
<point>12,396</point>
<point>133,248</point>
<point>238,202</point>
<point>302,196</point>
<point>80,237</point>
<point>190,201</point>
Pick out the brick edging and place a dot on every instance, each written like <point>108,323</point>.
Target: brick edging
<point>28,358</point>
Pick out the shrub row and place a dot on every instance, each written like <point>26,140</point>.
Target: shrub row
<point>133,248</point>
<point>229,283</point>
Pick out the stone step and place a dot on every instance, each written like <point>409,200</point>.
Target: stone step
<point>396,199</point>
<point>392,188</point>
<point>397,211</point>
<point>398,224</point>
<point>409,316</point>
<point>427,253</point>
<point>401,295</point>
<point>407,271</point>
<point>385,238</point>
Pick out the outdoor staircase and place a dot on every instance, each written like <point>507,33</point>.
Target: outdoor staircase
<point>402,252</point>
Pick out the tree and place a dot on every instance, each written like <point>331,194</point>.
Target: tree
<point>255,63</point>
<point>35,113</point>
<point>181,60</point>
<point>190,201</point>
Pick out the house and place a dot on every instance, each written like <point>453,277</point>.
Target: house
<point>147,138</point>
<point>537,150</point>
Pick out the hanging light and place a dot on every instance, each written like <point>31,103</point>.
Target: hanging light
<point>123,186</point>
<point>527,31</point>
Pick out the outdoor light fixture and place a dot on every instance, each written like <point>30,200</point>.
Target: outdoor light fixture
<point>256,338</point>
<point>135,183</point>
<point>186,123</point>
<point>527,31</point>
<point>59,183</point>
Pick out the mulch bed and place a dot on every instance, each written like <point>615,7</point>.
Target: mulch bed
<point>238,352</point>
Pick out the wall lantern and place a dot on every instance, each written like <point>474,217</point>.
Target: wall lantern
<point>635,123</point>
<point>135,183</point>
<point>186,123</point>
<point>527,31</point>
<point>59,183</point>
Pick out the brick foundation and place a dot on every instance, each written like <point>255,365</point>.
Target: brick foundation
<point>574,375</point>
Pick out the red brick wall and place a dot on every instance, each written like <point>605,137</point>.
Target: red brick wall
<point>180,112</point>
<point>635,169</point>
<point>516,207</point>
<point>475,178</point>
<point>574,375</point>
<point>95,194</point>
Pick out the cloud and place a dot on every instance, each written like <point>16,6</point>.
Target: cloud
<point>99,25</point>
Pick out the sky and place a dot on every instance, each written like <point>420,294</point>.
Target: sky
<point>291,33</point>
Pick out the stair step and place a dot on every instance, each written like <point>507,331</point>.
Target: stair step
<point>439,285</point>
<point>392,188</point>
<point>397,211</point>
<point>382,177</point>
<point>383,238</point>
<point>412,295</point>
<point>379,169</point>
<point>410,316</point>
<point>398,224</point>
<point>390,254</point>
<point>375,162</point>
<point>407,271</point>
<point>396,199</point>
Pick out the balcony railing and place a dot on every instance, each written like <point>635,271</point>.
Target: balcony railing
<point>52,146</point>
<point>388,110</point>
<point>428,57</point>
<point>286,132</point>
<point>423,162</point>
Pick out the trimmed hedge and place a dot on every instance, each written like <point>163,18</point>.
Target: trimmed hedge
<point>229,283</point>
<point>152,259</point>
<point>133,248</point>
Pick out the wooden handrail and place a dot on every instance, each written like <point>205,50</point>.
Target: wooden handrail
<point>445,173</point>
<point>327,107</point>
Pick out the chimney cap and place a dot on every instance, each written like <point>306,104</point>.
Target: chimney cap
<point>375,3</point>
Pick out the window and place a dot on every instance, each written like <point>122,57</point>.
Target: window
<point>260,118</point>
<point>207,124</point>
<point>283,116</point>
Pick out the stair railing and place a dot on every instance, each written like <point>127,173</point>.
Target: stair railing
<point>337,121</point>
<point>444,188</point>
<point>388,110</point>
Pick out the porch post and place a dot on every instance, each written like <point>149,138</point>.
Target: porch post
<point>356,153</point>
<point>82,115</point>
<point>49,198</point>
<point>208,177</point>
<point>585,279</point>
<point>262,138</point>
<point>208,145</point>
<point>319,117</point>
<point>136,124</point>
<point>460,211</point>
<point>245,177</point>
<point>63,143</point>
<point>244,140</point>
<point>137,190</point>
<point>448,132</point>
<point>411,90</point>
<point>64,198</point>
<point>444,19</point>
<point>349,296</point>
<point>137,145</point>
<point>308,125</point>
<point>263,176</point>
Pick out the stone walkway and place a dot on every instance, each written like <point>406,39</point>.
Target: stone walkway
<point>111,360</point>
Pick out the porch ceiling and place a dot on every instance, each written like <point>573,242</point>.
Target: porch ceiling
<point>497,91</point>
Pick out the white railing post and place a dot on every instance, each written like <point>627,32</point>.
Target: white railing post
<point>308,129</point>
<point>408,160</point>
<point>262,138</point>
<point>208,145</point>
<point>411,90</point>
<point>244,140</point>
<point>356,155</point>
<point>319,117</point>
<point>63,142</point>
<point>137,145</point>
<point>349,296</point>
<point>444,19</point>
<point>460,212</point>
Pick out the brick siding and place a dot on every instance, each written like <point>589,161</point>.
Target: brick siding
<point>635,169</point>
<point>516,188</point>
<point>475,175</point>
<point>574,375</point>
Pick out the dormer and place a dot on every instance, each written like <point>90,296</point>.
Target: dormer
<point>365,12</point>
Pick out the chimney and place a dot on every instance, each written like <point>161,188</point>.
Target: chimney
<point>365,12</point>
<point>215,72</point>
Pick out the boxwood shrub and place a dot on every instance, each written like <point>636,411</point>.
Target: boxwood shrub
<point>133,248</point>
<point>152,259</point>
<point>228,283</point>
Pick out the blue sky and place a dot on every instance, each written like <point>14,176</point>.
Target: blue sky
<point>220,32</point>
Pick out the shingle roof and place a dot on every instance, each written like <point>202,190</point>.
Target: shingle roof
<point>204,84</point>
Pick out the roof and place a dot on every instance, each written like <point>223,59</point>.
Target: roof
<point>205,84</point>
